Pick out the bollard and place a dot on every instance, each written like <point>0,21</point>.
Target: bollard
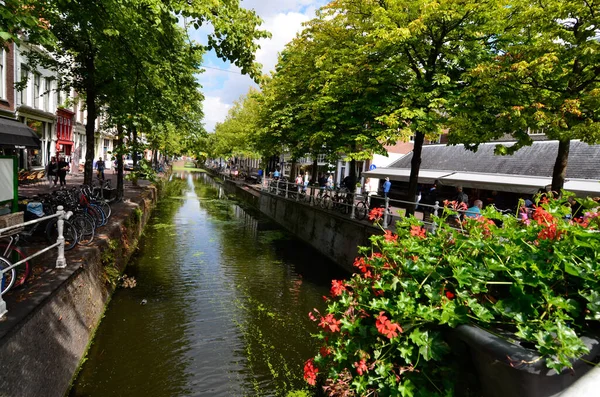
<point>61,262</point>
<point>352,216</point>
<point>385,212</point>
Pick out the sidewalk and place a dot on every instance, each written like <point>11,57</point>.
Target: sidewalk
<point>76,180</point>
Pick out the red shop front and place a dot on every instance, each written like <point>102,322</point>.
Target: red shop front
<point>64,132</point>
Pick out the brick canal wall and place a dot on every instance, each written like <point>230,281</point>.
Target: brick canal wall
<point>44,337</point>
<point>333,235</point>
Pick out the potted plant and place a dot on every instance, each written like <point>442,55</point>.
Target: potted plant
<point>529,283</point>
<point>358,188</point>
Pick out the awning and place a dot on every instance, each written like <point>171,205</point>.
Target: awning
<point>583,187</point>
<point>500,182</point>
<point>16,134</point>
<point>403,174</point>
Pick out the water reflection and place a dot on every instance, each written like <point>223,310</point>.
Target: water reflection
<point>227,305</point>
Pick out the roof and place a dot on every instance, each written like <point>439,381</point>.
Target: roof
<point>535,160</point>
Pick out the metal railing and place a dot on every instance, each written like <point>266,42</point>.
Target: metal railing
<point>356,206</point>
<point>61,261</point>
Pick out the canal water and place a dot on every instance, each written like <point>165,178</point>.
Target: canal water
<point>220,307</point>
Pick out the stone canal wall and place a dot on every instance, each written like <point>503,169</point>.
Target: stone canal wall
<point>333,235</point>
<point>44,337</point>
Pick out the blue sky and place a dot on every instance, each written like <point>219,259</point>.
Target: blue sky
<point>283,18</point>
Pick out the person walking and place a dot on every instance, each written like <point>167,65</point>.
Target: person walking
<point>386,187</point>
<point>100,166</point>
<point>63,168</point>
<point>52,171</point>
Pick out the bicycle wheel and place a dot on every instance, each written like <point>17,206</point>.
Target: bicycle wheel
<point>69,233</point>
<point>95,214</point>
<point>101,212</point>
<point>6,279</point>
<point>14,255</point>
<point>103,204</point>
<point>361,210</point>
<point>325,201</point>
<point>85,228</point>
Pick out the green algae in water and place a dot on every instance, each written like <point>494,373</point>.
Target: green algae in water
<point>269,236</point>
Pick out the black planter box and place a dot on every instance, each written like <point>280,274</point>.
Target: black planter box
<point>502,367</point>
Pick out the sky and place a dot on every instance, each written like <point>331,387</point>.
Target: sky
<point>283,18</point>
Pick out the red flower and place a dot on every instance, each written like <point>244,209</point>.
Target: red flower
<point>386,327</point>
<point>324,351</point>
<point>361,367</point>
<point>378,292</point>
<point>549,233</point>
<point>310,372</point>
<point>389,236</point>
<point>312,316</point>
<point>337,287</point>
<point>329,322</point>
<point>361,265</point>
<point>413,258</point>
<point>449,295</point>
<point>417,231</point>
<point>376,214</point>
<point>540,215</point>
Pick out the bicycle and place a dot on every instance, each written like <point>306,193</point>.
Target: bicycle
<point>362,208</point>
<point>13,254</point>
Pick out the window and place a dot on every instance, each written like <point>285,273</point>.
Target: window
<point>36,90</point>
<point>23,91</point>
<point>47,89</point>
<point>2,76</point>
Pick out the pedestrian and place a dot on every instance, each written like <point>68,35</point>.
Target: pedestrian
<point>475,210</point>
<point>276,174</point>
<point>52,171</point>
<point>330,182</point>
<point>260,175</point>
<point>100,166</point>
<point>386,187</point>
<point>461,197</point>
<point>63,168</point>
<point>299,183</point>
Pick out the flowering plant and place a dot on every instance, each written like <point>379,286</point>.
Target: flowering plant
<point>384,329</point>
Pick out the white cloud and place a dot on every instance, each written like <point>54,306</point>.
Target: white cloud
<point>283,27</point>
<point>283,18</point>
<point>214,111</point>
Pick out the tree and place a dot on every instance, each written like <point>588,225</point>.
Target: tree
<point>19,17</point>
<point>87,30</point>
<point>545,78</point>
<point>364,74</point>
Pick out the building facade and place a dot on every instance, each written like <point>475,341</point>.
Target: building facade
<point>33,98</point>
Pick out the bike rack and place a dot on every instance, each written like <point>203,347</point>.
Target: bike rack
<point>61,261</point>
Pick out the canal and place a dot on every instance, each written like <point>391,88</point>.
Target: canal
<point>220,307</point>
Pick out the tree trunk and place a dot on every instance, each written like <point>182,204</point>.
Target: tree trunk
<point>119,155</point>
<point>293,171</point>
<point>90,137</point>
<point>352,175</point>
<point>415,166</point>
<point>560,166</point>
<point>315,170</point>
